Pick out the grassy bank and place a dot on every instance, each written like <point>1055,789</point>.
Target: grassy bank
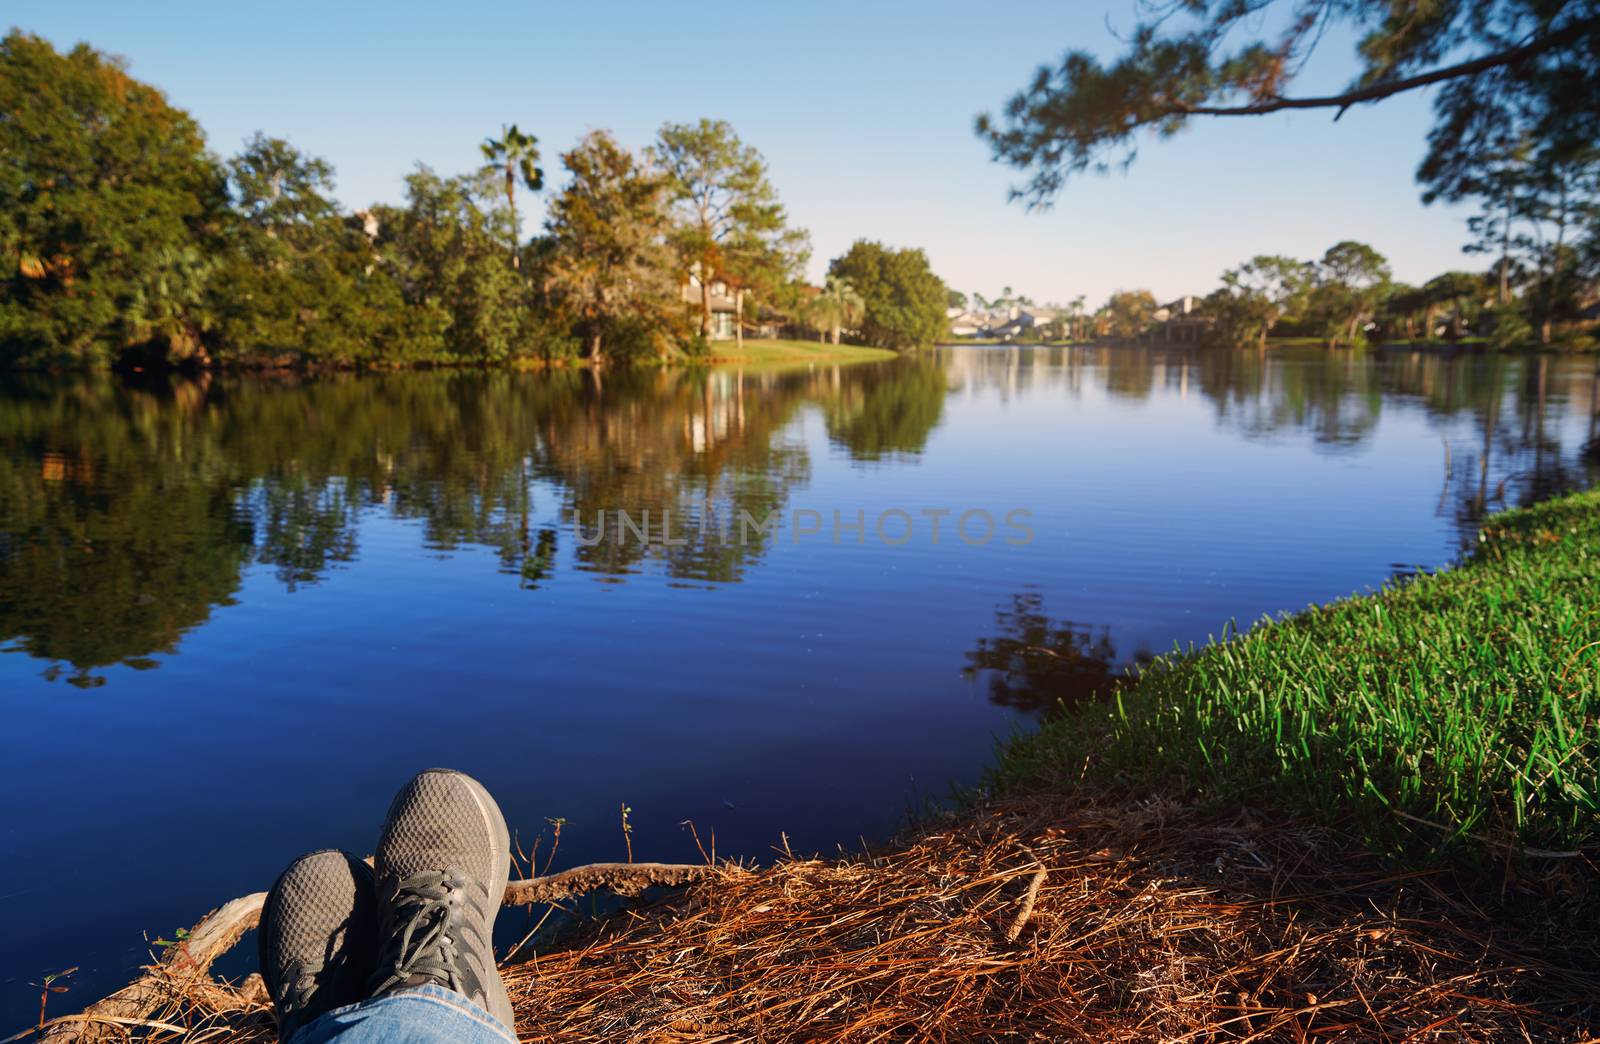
<point>770,352</point>
<point>1463,706</point>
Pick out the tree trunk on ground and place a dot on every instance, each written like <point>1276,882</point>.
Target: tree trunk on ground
<point>705,308</point>
<point>835,333</point>
<point>594,349</point>
<point>738,319</point>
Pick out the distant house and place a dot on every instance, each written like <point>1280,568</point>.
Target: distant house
<point>964,323</point>
<point>1180,320</point>
<point>1011,323</point>
<point>723,306</point>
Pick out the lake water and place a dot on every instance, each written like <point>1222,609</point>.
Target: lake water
<point>236,614</point>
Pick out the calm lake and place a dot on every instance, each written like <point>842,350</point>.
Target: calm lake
<point>237,614</point>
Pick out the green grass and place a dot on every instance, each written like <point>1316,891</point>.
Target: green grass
<point>764,352</point>
<point>1458,707</point>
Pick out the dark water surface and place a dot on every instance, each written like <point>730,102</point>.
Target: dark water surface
<point>237,614</point>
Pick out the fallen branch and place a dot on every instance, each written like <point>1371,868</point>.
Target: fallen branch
<point>222,928</point>
<point>1029,897</point>
<point>626,879</point>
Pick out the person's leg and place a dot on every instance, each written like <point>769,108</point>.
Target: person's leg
<point>425,944</point>
<point>416,1015</point>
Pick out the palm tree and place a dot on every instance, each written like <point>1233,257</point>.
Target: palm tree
<point>1077,318</point>
<point>838,306</point>
<point>518,155</point>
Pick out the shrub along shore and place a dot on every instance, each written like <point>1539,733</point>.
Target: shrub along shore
<point>1375,819</point>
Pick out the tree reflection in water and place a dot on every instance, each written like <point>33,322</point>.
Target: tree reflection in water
<point>129,511</point>
<point>1035,664</point>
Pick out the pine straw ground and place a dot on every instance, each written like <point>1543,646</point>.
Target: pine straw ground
<point>1060,918</point>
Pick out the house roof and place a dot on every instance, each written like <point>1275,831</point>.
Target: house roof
<point>719,302</point>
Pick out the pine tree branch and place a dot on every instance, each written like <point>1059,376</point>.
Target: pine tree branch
<point>1379,91</point>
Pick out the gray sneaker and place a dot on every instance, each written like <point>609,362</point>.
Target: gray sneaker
<point>318,937</point>
<point>442,866</point>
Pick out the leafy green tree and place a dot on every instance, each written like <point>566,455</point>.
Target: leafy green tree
<point>730,222</point>
<point>517,155</point>
<point>1401,307</point>
<point>955,299</point>
<point>108,208</point>
<point>1352,281</point>
<point>1129,313</point>
<point>296,280</point>
<point>1526,62</point>
<point>837,307</point>
<point>446,250</point>
<point>1460,294</point>
<point>903,302</point>
<point>1262,292</point>
<point>610,267</point>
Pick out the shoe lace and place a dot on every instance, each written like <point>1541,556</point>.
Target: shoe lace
<point>422,945</point>
<point>299,984</point>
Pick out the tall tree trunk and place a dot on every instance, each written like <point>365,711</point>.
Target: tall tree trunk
<point>516,230</point>
<point>1505,258</point>
<point>836,333</point>
<point>738,318</point>
<point>1428,322</point>
<point>594,348</point>
<point>705,308</point>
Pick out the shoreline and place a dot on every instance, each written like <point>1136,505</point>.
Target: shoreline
<point>1137,871</point>
<point>757,352</point>
<point>1473,346</point>
<point>768,352</point>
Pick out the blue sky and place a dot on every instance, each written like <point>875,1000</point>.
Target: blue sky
<point>864,111</point>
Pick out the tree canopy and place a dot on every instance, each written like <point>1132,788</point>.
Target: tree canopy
<point>1130,312</point>
<point>516,154</point>
<point>903,302</point>
<point>125,241</point>
<point>1258,294</point>
<point>109,204</point>
<point>610,267</point>
<point>730,222</point>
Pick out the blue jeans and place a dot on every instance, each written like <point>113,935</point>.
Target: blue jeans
<point>420,1015</point>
